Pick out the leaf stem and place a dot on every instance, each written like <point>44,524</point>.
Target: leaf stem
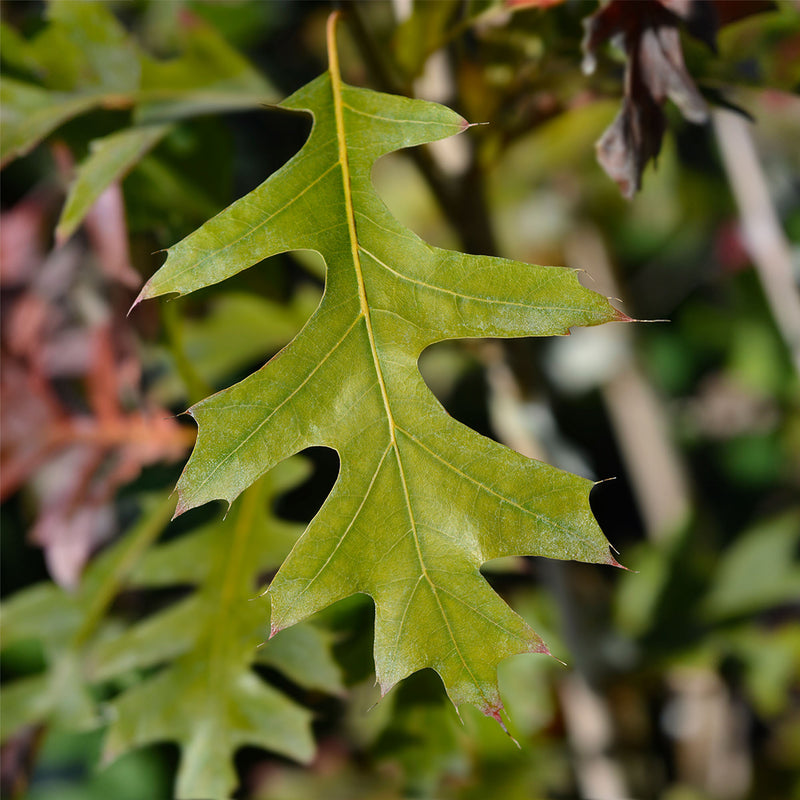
<point>196,387</point>
<point>123,558</point>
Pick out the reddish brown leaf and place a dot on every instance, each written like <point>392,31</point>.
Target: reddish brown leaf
<point>74,455</point>
<point>629,143</point>
<point>27,410</point>
<point>729,11</point>
<point>108,233</point>
<point>655,71</point>
<point>75,515</point>
<point>22,242</point>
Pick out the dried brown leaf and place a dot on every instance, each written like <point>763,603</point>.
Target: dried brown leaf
<point>655,70</point>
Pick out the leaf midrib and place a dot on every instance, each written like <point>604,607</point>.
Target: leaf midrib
<point>233,570</point>
<point>336,89</point>
<point>338,105</point>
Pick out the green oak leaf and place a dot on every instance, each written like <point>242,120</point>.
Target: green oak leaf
<point>208,698</point>
<point>421,501</point>
<point>206,695</point>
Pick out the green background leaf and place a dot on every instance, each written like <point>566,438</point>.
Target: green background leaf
<point>111,157</point>
<point>208,698</point>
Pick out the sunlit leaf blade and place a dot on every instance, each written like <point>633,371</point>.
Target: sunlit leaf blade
<point>208,698</point>
<point>110,159</point>
<point>421,501</point>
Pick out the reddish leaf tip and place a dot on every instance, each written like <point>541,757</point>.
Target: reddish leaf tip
<point>181,508</point>
<point>493,710</point>
<point>543,649</point>
<point>385,687</point>
<point>556,658</point>
<point>141,296</point>
<point>540,647</point>
<point>612,562</point>
<point>621,316</point>
<point>133,305</point>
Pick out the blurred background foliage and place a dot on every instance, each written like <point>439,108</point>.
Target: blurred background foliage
<point>125,126</point>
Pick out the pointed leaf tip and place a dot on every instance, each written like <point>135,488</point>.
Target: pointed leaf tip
<point>612,562</point>
<point>494,711</point>
<point>540,648</point>
<point>181,508</point>
<point>563,663</point>
<point>144,294</point>
<point>387,687</point>
<point>134,304</point>
<point>621,316</point>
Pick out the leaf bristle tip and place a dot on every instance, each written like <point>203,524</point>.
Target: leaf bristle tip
<point>604,480</point>
<point>493,711</point>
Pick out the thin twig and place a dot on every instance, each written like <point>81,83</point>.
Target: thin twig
<point>764,239</point>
